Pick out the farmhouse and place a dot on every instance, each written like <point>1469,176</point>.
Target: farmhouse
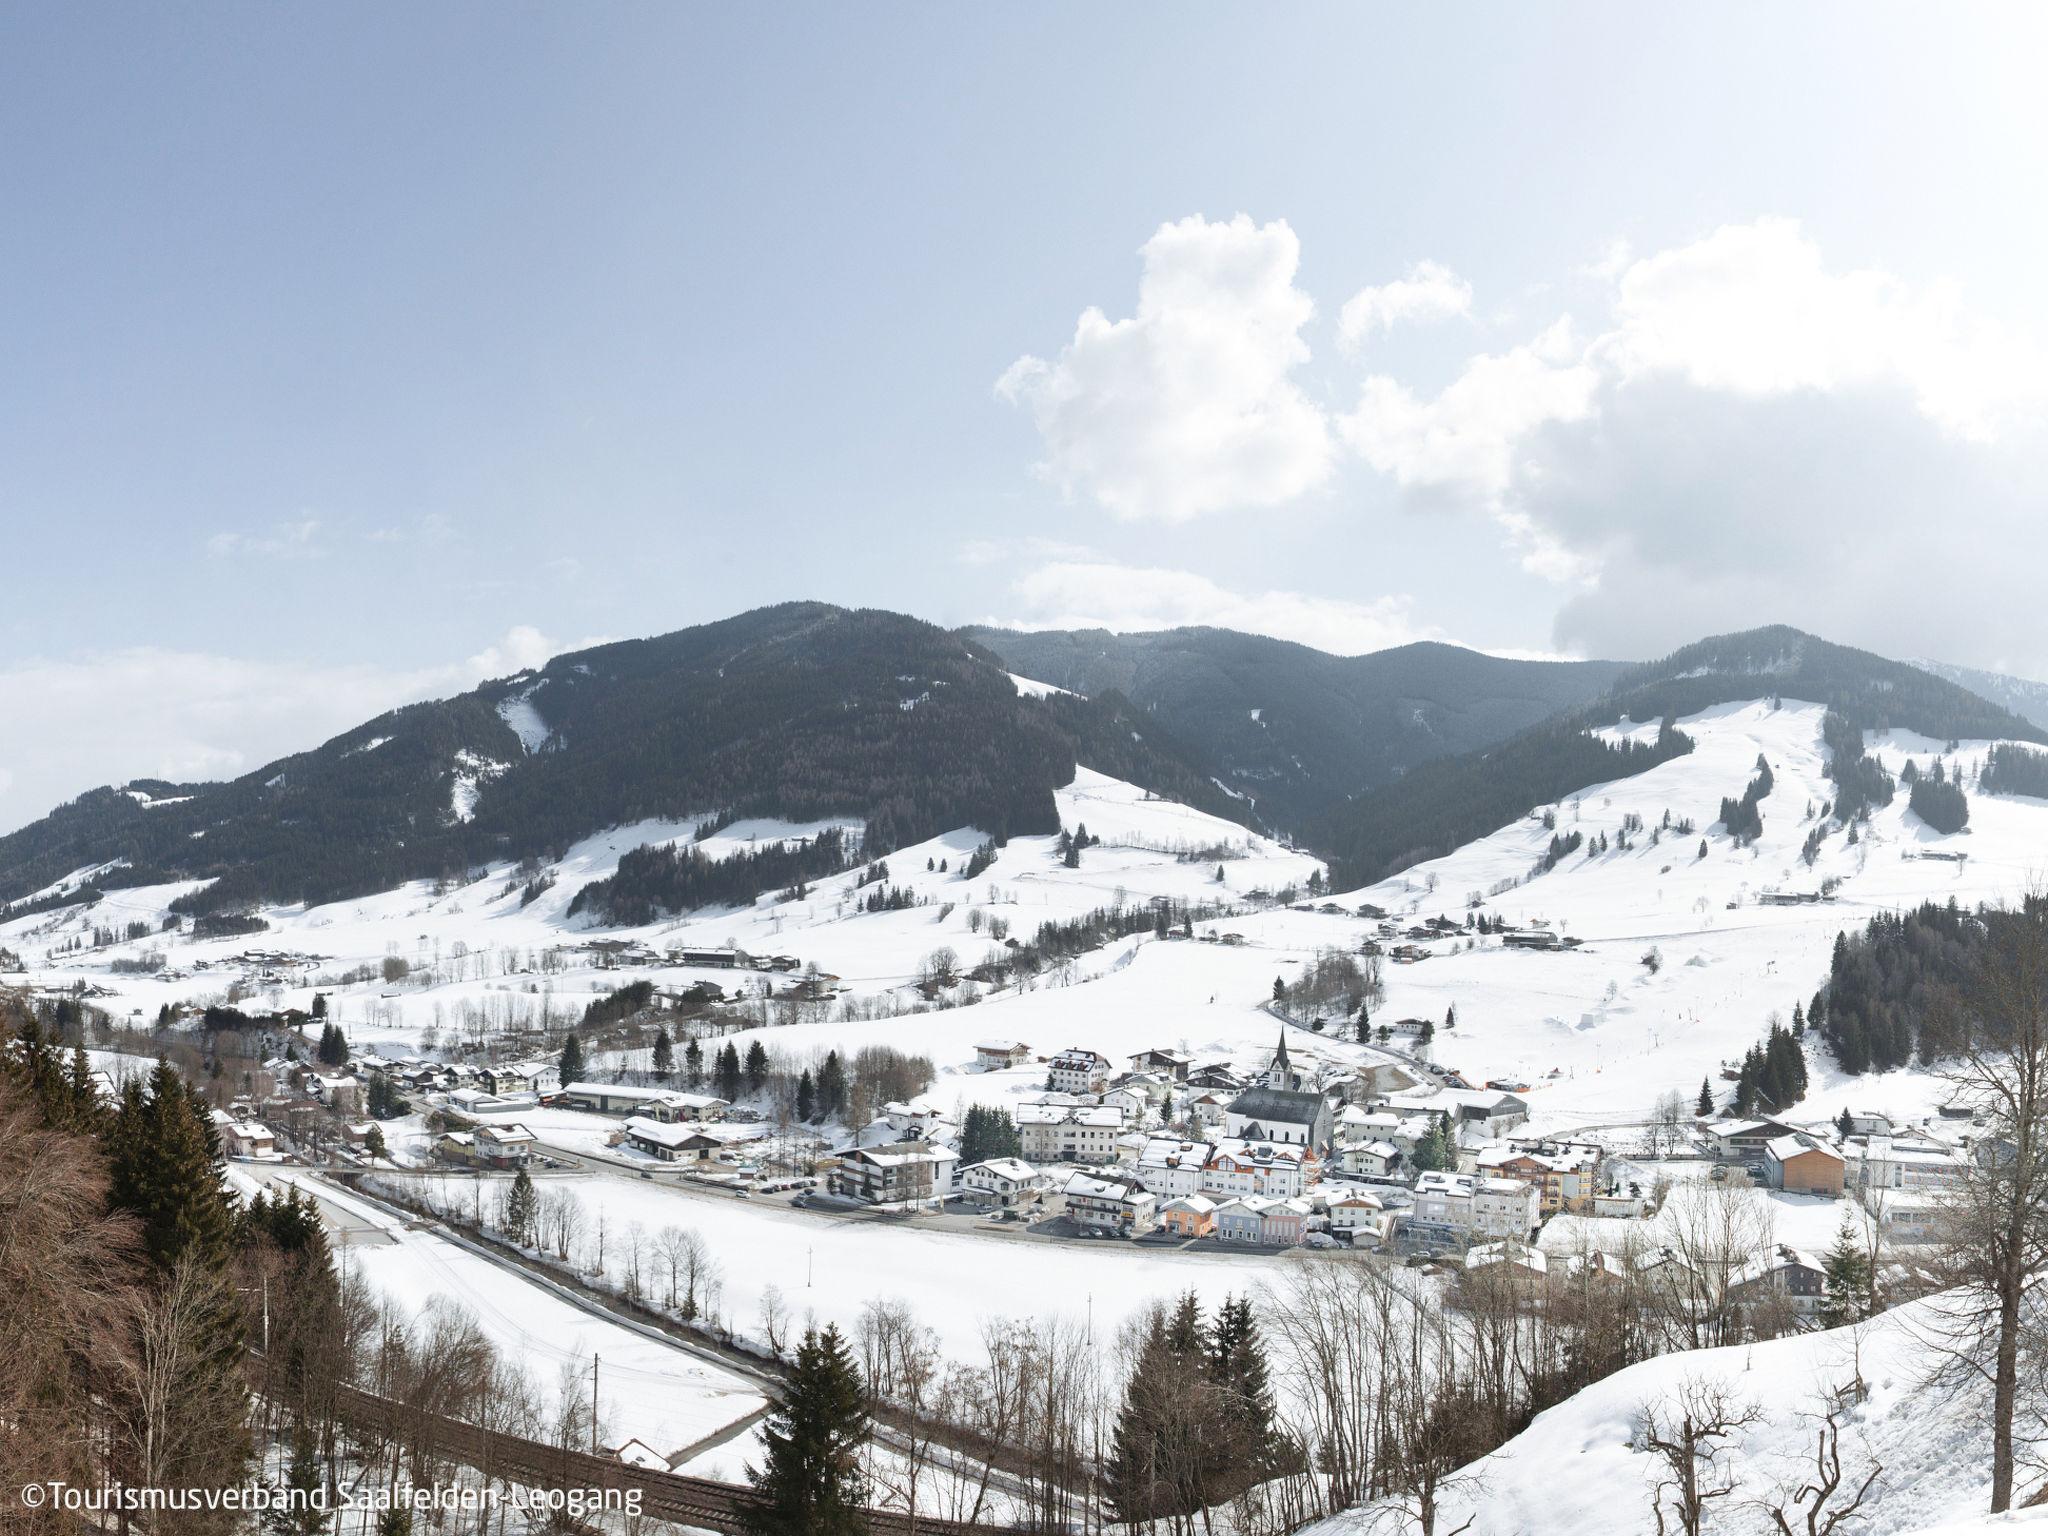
<point>1173,1066</point>
<point>1078,1070</point>
<point>1001,1055</point>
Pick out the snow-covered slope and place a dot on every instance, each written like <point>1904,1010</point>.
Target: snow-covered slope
<point>1579,1467</point>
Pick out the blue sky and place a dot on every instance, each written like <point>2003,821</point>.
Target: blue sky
<point>356,352</point>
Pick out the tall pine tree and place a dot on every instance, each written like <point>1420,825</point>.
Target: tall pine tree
<point>810,1481</point>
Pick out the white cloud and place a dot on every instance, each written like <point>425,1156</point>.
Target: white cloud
<point>1189,406</point>
<point>1012,550</point>
<point>1106,595</point>
<point>1752,309</point>
<point>298,538</point>
<point>1430,291</point>
<point>151,713</point>
<point>1465,437</point>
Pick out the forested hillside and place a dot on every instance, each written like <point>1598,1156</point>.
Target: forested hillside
<point>801,710</point>
<point>1295,728</point>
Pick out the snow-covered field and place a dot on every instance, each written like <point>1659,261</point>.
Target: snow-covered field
<point>828,1269</point>
<point>646,1389</point>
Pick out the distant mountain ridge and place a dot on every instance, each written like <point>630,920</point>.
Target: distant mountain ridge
<point>1451,801</point>
<point>1296,729</point>
<point>2022,695</point>
<point>801,710</point>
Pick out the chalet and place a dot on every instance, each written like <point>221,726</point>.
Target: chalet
<point>1078,1070</point>
<point>1784,1272</point>
<point>1279,1170</point>
<point>488,1146</point>
<point>1189,1216</point>
<point>1209,1108</point>
<point>247,1138</point>
<point>1172,1066</point>
<point>1130,1097</point>
<point>1279,1114</point>
<point>1056,1133</point>
<point>1562,1175</point>
<point>1001,1055</point>
<point>521,1077</point>
<point>1803,1164</point>
<point>1361,1216</point>
<point>904,1170</point>
<point>339,1091</point>
<point>1487,1109</point>
<point>1521,1261</point>
<point>1002,1183</point>
<point>670,1141</point>
<point>1113,1205</point>
<point>1745,1142</point>
<point>706,959</point>
<point>1215,1076</point>
<point>1371,1159</point>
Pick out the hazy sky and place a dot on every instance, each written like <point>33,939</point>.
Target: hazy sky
<point>351,353</point>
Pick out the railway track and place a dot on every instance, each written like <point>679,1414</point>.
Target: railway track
<point>670,1496</point>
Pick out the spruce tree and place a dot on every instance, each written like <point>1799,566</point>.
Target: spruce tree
<point>522,1204</point>
<point>810,1482</point>
<point>757,1067</point>
<point>729,1080</point>
<point>1848,1295</point>
<point>664,1054</point>
<point>693,1063</point>
<point>1238,1370</point>
<point>831,1086</point>
<point>1705,1107</point>
<point>806,1096</point>
<point>572,1068</point>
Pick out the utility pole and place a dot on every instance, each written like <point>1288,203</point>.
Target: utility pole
<point>593,1403</point>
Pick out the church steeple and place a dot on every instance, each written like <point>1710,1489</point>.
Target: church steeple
<point>1280,1074</point>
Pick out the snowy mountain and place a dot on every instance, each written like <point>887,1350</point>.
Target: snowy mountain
<point>801,710</point>
<point>1454,800</point>
<point>1297,729</point>
<point>2022,695</point>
